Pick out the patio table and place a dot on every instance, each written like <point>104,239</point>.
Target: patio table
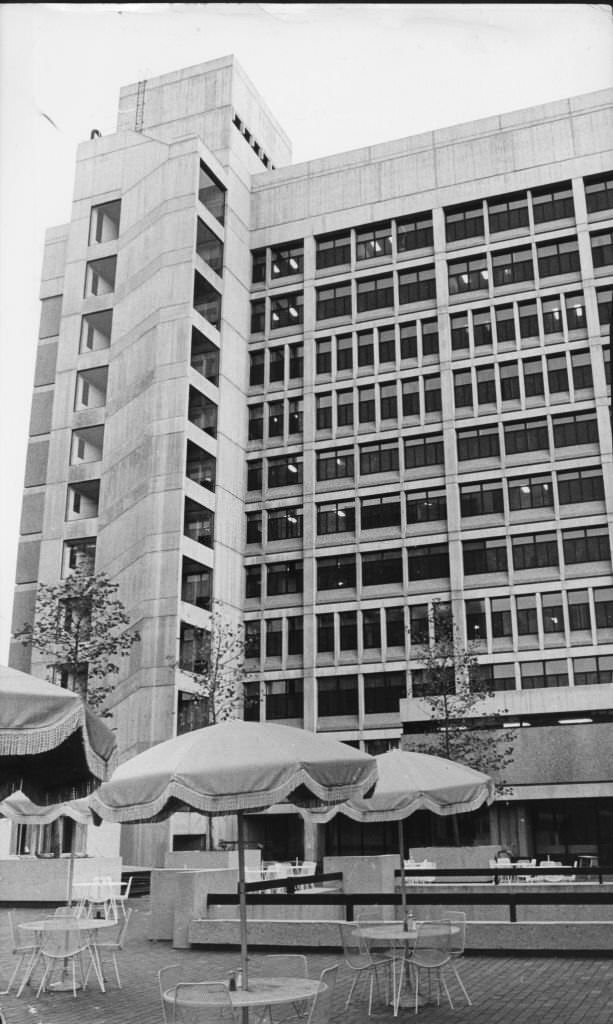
<point>393,935</point>
<point>261,992</point>
<point>89,925</point>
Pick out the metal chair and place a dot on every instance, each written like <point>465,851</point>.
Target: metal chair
<point>321,1007</point>
<point>60,948</point>
<point>102,897</point>
<point>122,897</point>
<point>363,963</point>
<point>281,965</point>
<point>25,951</point>
<point>202,1002</point>
<point>66,912</point>
<point>111,947</point>
<point>431,953</point>
<point>457,920</point>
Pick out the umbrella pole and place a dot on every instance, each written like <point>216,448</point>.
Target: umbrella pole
<point>403,888</point>
<point>242,908</point>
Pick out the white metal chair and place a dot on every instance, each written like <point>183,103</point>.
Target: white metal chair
<point>102,896</point>
<point>457,944</point>
<point>363,963</point>
<point>24,950</point>
<point>281,965</point>
<point>431,953</point>
<point>122,897</point>
<point>111,947</point>
<point>60,948</point>
<point>321,1007</point>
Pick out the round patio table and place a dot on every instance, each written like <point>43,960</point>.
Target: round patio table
<point>261,992</point>
<point>68,924</point>
<point>393,934</point>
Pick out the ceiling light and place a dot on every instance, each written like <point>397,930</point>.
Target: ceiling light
<point>293,263</point>
<point>293,311</point>
<point>341,513</point>
<point>575,721</point>
<point>292,468</point>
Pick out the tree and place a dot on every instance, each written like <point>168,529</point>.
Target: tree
<point>81,626</point>
<point>217,667</point>
<point>455,694</point>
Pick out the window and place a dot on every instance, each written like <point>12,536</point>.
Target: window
<point>325,633</point>
<point>253,580</point>
<point>254,527</point>
<point>284,578</point>
<point>366,404</point>
<point>429,338</point>
<point>502,626</point>
<point>344,408</point>
<point>577,485</point>
<point>496,678</point>
<point>603,605</point>
<point>423,451</point>
<point>587,544</point>
<point>344,352</point>
<point>286,260</point>
<point>323,411</point>
<point>538,674</point>
<point>323,356</point>
<point>410,397</point>
<point>552,203</point>
<point>336,517</point>
<point>582,371</point>
<point>256,422</point>
<point>198,523</point>
<point>602,249</point>
<point>432,394</point>
<point>508,213</point>
<point>276,364</point>
<point>417,285</point>
<point>200,466</point>
<point>251,699</point>
<point>196,584</point>
<point>285,470</point>
<point>481,499</point>
<point>414,232</point>
<point>534,384</point>
<point>207,300</point>
<point>552,318</point>
<point>419,624</point>
<point>505,324</point>
<point>383,691</point>
<point>478,443</point>
<point>336,572</point>
<point>258,316</point>
<point>509,382</point>
<point>337,695</point>
<point>527,621</point>
<point>486,385</point>
<point>468,275</point>
<point>530,492</point>
<point>284,698</point>
<point>204,357</point>
<point>373,241</point>
<point>209,247</point>
<point>599,193</point>
<point>332,250</point>
<point>535,551</point>
<point>100,277</point>
<point>96,331</point>
<point>476,625</point>
<point>256,368</point>
<point>482,328</point>
<point>284,523</point>
<point>594,671</point>
<point>86,446</point>
<point>553,613</point>
<point>91,388</point>
<point>333,301</point>
<point>295,361</point>
<point>557,375</point>
<point>79,554</point>
<point>575,429</point>
<point>408,341</point>
<point>334,465</point>
<point>294,409</point>
<point>528,436</point>
<point>429,563</point>
<point>464,222</point>
<point>194,647</point>
<point>348,631</point>
<point>381,567</point>
<point>394,627</point>
<point>381,457</point>
<point>579,609</point>
<point>371,629</point>
<point>559,257</point>
<point>426,506</point>
<point>211,193</point>
<point>202,412</point>
<point>528,321</point>
<point>254,475</point>
<point>512,267</point>
<point>274,638</point>
<point>366,350</point>
<point>375,293</point>
<point>575,312</point>
<point>286,310</point>
<point>258,266</point>
<point>481,556</point>
<point>380,511</point>
<point>459,332</point>
<point>104,222</point>
<point>388,401</point>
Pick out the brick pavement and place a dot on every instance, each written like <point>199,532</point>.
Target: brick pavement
<point>504,990</point>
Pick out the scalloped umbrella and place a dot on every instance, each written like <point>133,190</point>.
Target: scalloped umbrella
<point>232,768</point>
<point>52,748</point>
<point>408,782</point>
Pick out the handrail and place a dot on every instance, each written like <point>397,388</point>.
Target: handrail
<point>292,882</point>
<point>510,871</point>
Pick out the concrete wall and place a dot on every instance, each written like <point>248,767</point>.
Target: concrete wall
<point>34,880</point>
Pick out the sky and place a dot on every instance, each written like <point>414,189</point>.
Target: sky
<point>336,76</point>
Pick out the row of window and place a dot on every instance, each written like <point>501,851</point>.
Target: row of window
<point>553,318</point>
<point>536,551</point>
<point>533,618</point>
<point>525,382</point>
<point>336,695</point>
<point>533,675</point>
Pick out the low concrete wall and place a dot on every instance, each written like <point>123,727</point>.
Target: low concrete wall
<point>45,880</point>
<point>178,896</point>
<point>209,859</point>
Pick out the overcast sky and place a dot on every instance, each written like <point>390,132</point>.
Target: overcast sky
<point>337,77</point>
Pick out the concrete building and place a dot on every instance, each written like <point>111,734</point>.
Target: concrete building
<point>326,395</point>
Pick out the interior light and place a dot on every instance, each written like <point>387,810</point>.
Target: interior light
<point>464,278</point>
<point>525,489</point>
<point>293,263</point>
<point>291,519</point>
<point>293,311</point>
<point>275,268</point>
<point>341,513</point>
<point>575,721</point>
<point>377,246</point>
<point>275,316</point>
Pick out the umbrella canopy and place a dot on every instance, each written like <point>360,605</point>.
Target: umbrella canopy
<point>51,747</point>
<point>22,811</point>
<point>230,768</point>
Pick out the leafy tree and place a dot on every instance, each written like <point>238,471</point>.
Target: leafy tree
<point>455,694</point>
<point>217,667</point>
<point>81,626</point>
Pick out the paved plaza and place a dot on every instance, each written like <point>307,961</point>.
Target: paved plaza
<point>517,990</point>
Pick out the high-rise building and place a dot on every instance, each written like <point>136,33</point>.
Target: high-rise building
<point>327,395</point>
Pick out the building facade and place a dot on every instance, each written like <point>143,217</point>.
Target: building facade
<point>325,396</point>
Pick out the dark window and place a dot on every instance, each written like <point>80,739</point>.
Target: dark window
<point>198,523</point>
<point>553,202</point>
<point>295,361</point>
<point>530,492</point>
<point>481,499</point>
<point>476,626</point>
<point>576,485</point>
<point>468,275</point>
<point>429,338</point>
<point>196,584</point>
<point>528,436</point>
<point>256,422</point>
<point>481,556</point>
<point>207,300</point>
<point>323,356</point>
<point>575,429</point>
<point>432,394</point>
<point>528,321</point>
<point>336,572</point>
<point>552,318</point>
<point>512,267</point>
<point>478,443</point>
<point>348,631</point>
<point>380,567</point>
<point>254,527</point>
<point>366,349</point>
<point>419,624</point>
<point>332,250</point>
<point>557,375</point>
<point>194,647</point>
<point>256,368</point>
<point>258,316</point>
<point>366,404</point>
<point>374,241</point>
<point>381,457</point>
<point>581,370</point>
<point>428,563</point>
<point>527,621</point>
<point>535,551</point>
<point>344,408</point>
<point>253,577</point>
<point>202,412</point>
<point>603,605</point>
<point>209,247</point>
<point>336,517</point>
<point>599,193</point>
<point>286,310</point>
<point>423,451</point>
<point>426,506</point>
<point>486,385</point>
<point>383,691</point>
<point>509,382</point>
<point>274,638</point>
<point>482,328</point>
<point>251,699</point>
<point>284,470</point>
<point>464,222</point>
<point>325,633</point>
<point>79,554</point>
<point>380,511</point>
<point>344,352</point>
<point>579,609</point>
<point>284,578</point>
<point>496,678</point>
<point>417,285</point>
<point>459,332</point>
<point>602,249</point>
<point>559,257</point>
<point>254,475</point>
<point>502,625</point>
<point>414,232</point>
<point>284,523</point>
<point>388,401</point>
<point>371,629</point>
<point>410,397</point>
<point>534,384</point>
<point>337,695</point>
<point>505,324</point>
<point>594,671</point>
<point>333,301</point>
<point>540,674</point>
<point>394,627</point>
<point>294,416</point>
<point>408,341</point>
<point>286,260</point>
<point>587,544</point>
<point>258,266</point>
<point>276,364</point>
<point>323,411</point>
<point>553,613</point>
<point>575,312</point>
<point>508,213</point>
<point>211,193</point>
<point>200,466</point>
<point>284,698</point>
<point>375,293</point>
<point>334,465</point>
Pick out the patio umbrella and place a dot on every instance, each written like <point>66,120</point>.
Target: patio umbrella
<point>408,782</point>
<point>52,748</point>
<point>232,768</point>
